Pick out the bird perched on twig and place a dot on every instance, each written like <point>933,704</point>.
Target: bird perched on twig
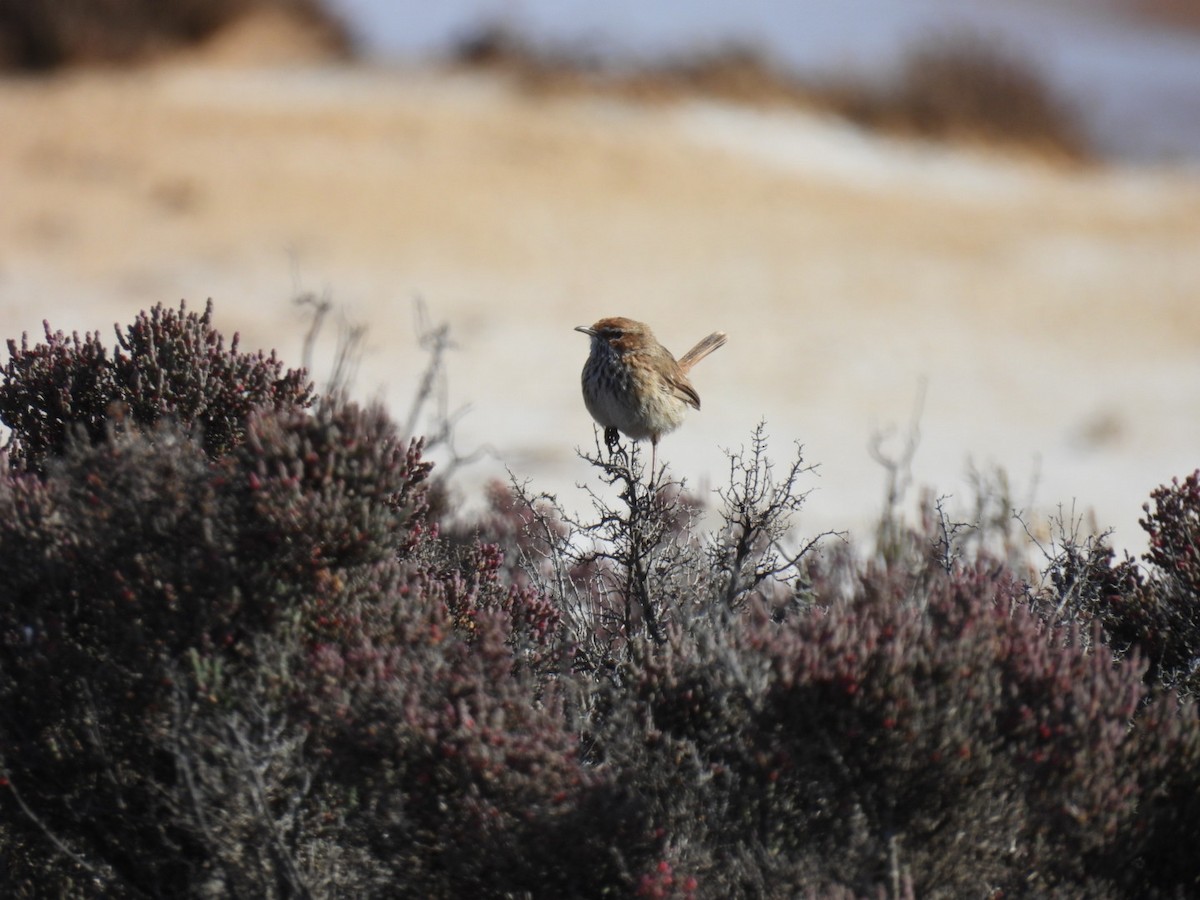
<point>632,383</point>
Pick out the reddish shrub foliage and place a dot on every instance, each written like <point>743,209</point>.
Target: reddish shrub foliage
<point>1174,529</point>
<point>919,732</point>
<point>1154,611</point>
<point>255,666</point>
<point>167,364</point>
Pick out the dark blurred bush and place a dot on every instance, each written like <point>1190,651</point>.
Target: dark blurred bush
<point>1178,13</point>
<point>958,86</point>
<point>46,34</point>
<point>968,86</point>
<point>239,657</point>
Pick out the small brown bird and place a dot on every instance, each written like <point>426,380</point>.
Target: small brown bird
<point>632,383</point>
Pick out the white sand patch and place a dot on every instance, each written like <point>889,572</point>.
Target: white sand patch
<point>1054,316</point>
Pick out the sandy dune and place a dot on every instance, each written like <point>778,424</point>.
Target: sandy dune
<point>1053,315</point>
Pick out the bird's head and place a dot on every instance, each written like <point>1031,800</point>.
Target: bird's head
<point>618,332</point>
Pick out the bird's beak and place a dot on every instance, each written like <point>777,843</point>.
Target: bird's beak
<point>586,330</point>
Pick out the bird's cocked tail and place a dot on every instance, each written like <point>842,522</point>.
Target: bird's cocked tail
<point>702,349</point>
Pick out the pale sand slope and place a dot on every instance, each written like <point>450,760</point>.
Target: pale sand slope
<point>1054,316</point>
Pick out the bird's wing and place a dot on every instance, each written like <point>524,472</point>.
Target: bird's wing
<point>682,388</point>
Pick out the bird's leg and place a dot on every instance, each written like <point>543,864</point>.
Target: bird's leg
<point>612,438</point>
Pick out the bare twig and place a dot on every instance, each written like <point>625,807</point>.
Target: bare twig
<point>433,391</point>
<point>100,873</point>
<point>898,469</point>
<point>757,519</point>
